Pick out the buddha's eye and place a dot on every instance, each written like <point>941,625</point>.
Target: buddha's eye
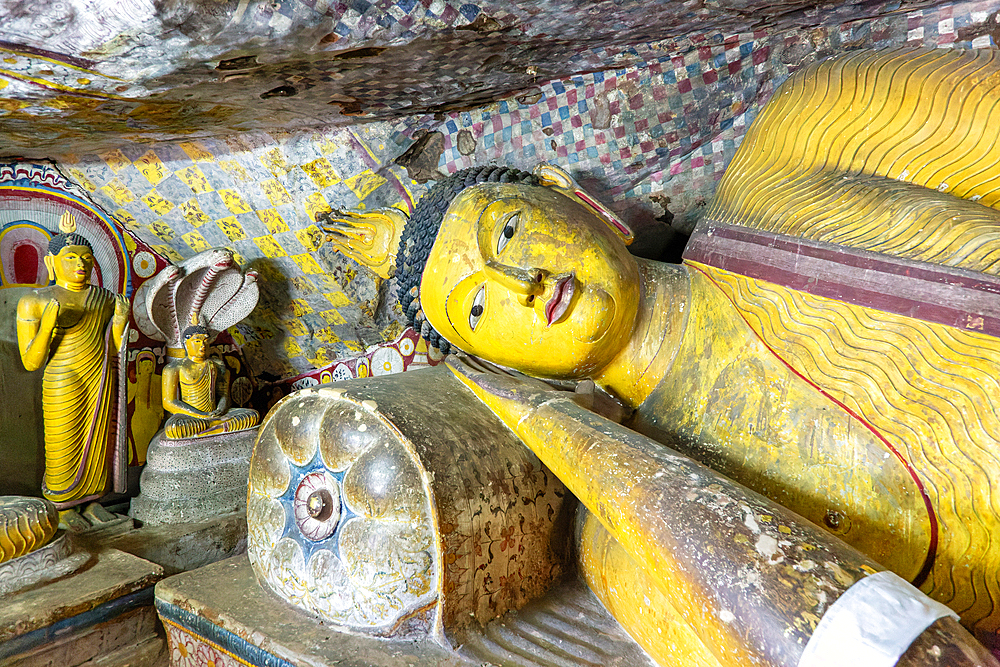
<point>478,304</point>
<point>507,232</point>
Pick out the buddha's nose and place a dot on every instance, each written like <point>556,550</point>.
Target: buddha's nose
<point>526,283</point>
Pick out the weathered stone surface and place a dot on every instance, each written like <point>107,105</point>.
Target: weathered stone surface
<point>186,546</point>
<point>195,479</point>
<point>129,639</point>
<point>110,574</point>
<point>566,627</point>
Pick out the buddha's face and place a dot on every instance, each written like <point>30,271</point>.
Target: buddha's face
<point>196,346</point>
<point>527,278</point>
<point>72,266</point>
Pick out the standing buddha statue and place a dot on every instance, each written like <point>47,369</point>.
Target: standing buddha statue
<point>76,331</point>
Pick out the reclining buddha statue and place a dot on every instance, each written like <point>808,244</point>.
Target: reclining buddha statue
<point>829,341</point>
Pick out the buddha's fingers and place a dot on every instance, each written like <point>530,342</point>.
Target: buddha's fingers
<point>502,391</point>
<point>370,237</point>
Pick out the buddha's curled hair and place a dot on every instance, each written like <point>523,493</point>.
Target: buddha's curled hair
<point>60,241</point>
<point>421,230</point>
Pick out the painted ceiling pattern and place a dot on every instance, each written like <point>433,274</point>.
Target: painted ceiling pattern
<point>177,140</point>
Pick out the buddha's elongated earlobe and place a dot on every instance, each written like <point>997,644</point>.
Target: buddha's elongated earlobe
<point>553,177</point>
<point>50,266</point>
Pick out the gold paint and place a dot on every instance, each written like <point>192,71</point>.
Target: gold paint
<point>300,307</point>
<point>870,127</point>
<point>230,226</point>
<point>115,159</point>
<point>311,237</point>
<point>191,210</point>
<point>365,183</point>
<point>168,252</point>
<point>127,219</point>
<point>272,220</point>
<point>638,601</point>
<point>307,264</point>
<point>275,192</point>
<point>275,162</point>
<point>26,524</point>
<point>295,327</point>
<point>930,390</point>
<point>269,247</point>
<point>157,203</point>
<point>196,394</point>
<point>292,348</point>
<point>321,172</point>
<point>196,241</point>
<point>117,191</point>
<point>196,151</point>
<point>195,179</point>
<point>236,170</point>
<point>234,202</point>
<point>314,205</point>
<point>370,238</point>
<point>333,317</point>
<point>81,178</point>
<point>516,277</point>
<point>146,395</point>
<point>730,401</point>
<point>161,230</point>
<point>151,167</point>
<point>338,299</point>
<point>72,328</point>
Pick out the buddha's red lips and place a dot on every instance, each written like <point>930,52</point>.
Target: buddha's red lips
<point>563,294</point>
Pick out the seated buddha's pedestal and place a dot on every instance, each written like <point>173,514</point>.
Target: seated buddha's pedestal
<point>194,479</point>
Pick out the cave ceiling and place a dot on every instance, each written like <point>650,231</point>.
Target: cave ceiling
<point>85,75</point>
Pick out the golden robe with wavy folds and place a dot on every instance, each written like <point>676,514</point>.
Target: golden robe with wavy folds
<point>80,398</point>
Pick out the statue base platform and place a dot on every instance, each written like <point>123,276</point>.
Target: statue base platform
<point>220,615</point>
<point>101,615</point>
<point>194,479</point>
<point>52,561</point>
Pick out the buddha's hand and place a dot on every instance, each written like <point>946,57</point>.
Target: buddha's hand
<point>370,238</point>
<point>121,307</point>
<point>512,397</point>
<point>485,379</point>
<point>50,315</point>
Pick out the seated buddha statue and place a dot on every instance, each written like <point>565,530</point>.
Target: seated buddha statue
<point>831,338</point>
<point>76,331</point>
<point>196,393</point>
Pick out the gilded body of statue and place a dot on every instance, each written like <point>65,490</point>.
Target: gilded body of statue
<point>196,393</point>
<point>832,339</point>
<point>76,331</point>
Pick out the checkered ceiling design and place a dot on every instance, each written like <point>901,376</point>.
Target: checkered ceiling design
<point>666,127</point>
<point>259,195</point>
<point>671,125</point>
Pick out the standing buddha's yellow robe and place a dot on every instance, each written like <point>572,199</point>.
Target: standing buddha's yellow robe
<point>79,397</point>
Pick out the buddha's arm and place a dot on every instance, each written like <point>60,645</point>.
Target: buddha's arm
<point>222,388</point>
<point>35,324</point>
<point>120,321</point>
<point>172,402</point>
<point>736,569</point>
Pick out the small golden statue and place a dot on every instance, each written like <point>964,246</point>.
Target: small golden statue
<point>77,331</point>
<point>196,393</point>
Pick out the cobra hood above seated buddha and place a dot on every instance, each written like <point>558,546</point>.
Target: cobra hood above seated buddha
<point>831,338</point>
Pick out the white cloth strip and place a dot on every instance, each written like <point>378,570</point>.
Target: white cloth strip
<point>872,624</point>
